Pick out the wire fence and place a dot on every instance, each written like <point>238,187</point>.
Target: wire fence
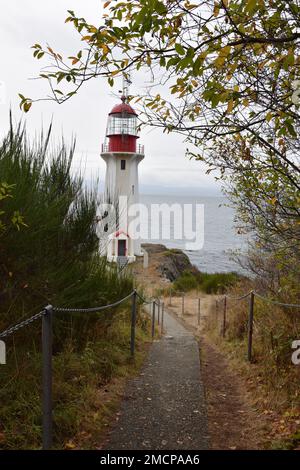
<point>47,314</point>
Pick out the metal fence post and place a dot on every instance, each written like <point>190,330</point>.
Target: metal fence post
<point>183,304</point>
<point>250,326</point>
<point>133,323</point>
<point>162,317</point>
<point>47,334</point>
<point>199,311</point>
<point>224,317</point>
<point>153,319</point>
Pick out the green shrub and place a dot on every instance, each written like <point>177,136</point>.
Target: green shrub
<point>186,282</point>
<point>54,260</point>
<point>217,283</point>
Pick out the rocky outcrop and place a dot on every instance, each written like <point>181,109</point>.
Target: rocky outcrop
<point>170,262</point>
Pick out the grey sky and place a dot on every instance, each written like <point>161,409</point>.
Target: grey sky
<point>23,23</point>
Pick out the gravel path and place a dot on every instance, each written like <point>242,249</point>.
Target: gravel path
<point>164,407</point>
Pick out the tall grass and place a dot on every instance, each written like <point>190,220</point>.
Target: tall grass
<point>275,329</point>
<point>215,283</point>
<point>53,259</point>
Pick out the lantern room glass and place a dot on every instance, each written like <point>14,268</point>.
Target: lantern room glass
<point>118,125</point>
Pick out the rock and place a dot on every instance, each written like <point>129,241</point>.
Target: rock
<point>170,262</point>
<point>153,248</point>
<point>173,264</point>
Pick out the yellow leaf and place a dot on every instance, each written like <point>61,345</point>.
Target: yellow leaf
<point>246,102</point>
<point>219,61</point>
<point>269,116</point>
<point>75,60</point>
<point>106,4</point>
<point>27,106</point>
<point>70,445</point>
<point>216,10</point>
<point>230,106</point>
<point>105,49</point>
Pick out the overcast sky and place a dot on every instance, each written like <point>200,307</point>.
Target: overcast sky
<point>165,168</point>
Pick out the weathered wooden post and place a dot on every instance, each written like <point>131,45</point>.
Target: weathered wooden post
<point>133,323</point>
<point>47,327</point>
<point>199,311</point>
<point>224,317</point>
<point>158,312</point>
<point>250,326</point>
<point>170,300</point>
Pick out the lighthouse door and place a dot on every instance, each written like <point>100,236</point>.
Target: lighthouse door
<point>121,247</point>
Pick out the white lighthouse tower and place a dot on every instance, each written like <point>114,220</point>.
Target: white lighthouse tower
<point>122,155</point>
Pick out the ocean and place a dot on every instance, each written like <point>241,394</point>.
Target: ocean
<point>220,237</point>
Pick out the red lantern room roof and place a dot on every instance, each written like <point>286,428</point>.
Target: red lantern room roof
<point>123,108</point>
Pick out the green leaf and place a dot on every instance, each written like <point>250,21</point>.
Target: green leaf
<point>179,49</point>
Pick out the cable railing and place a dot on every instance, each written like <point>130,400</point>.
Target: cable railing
<point>221,306</point>
<point>251,295</point>
<point>47,315</point>
<point>157,311</point>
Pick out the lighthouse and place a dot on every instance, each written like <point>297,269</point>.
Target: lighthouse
<point>122,155</point>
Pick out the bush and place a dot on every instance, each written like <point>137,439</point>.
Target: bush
<point>275,329</point>
<point>186,282</point>
<point>217,283</point>
<point>54,260</point>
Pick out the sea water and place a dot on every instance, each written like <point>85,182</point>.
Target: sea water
<point>221,239</point>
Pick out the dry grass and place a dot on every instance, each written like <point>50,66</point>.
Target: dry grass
<point>272,380</point>
<point>87,388</point>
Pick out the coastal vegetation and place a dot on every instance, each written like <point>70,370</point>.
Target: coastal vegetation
<point>210,283</point>
<point>232,69</point>
<point>233,77</point>
<point>48,255</point>
<point>272,379</point>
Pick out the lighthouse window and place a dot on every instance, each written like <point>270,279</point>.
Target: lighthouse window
<point>123,164</point>
<point>133,189</point>
<point>122,125</point>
